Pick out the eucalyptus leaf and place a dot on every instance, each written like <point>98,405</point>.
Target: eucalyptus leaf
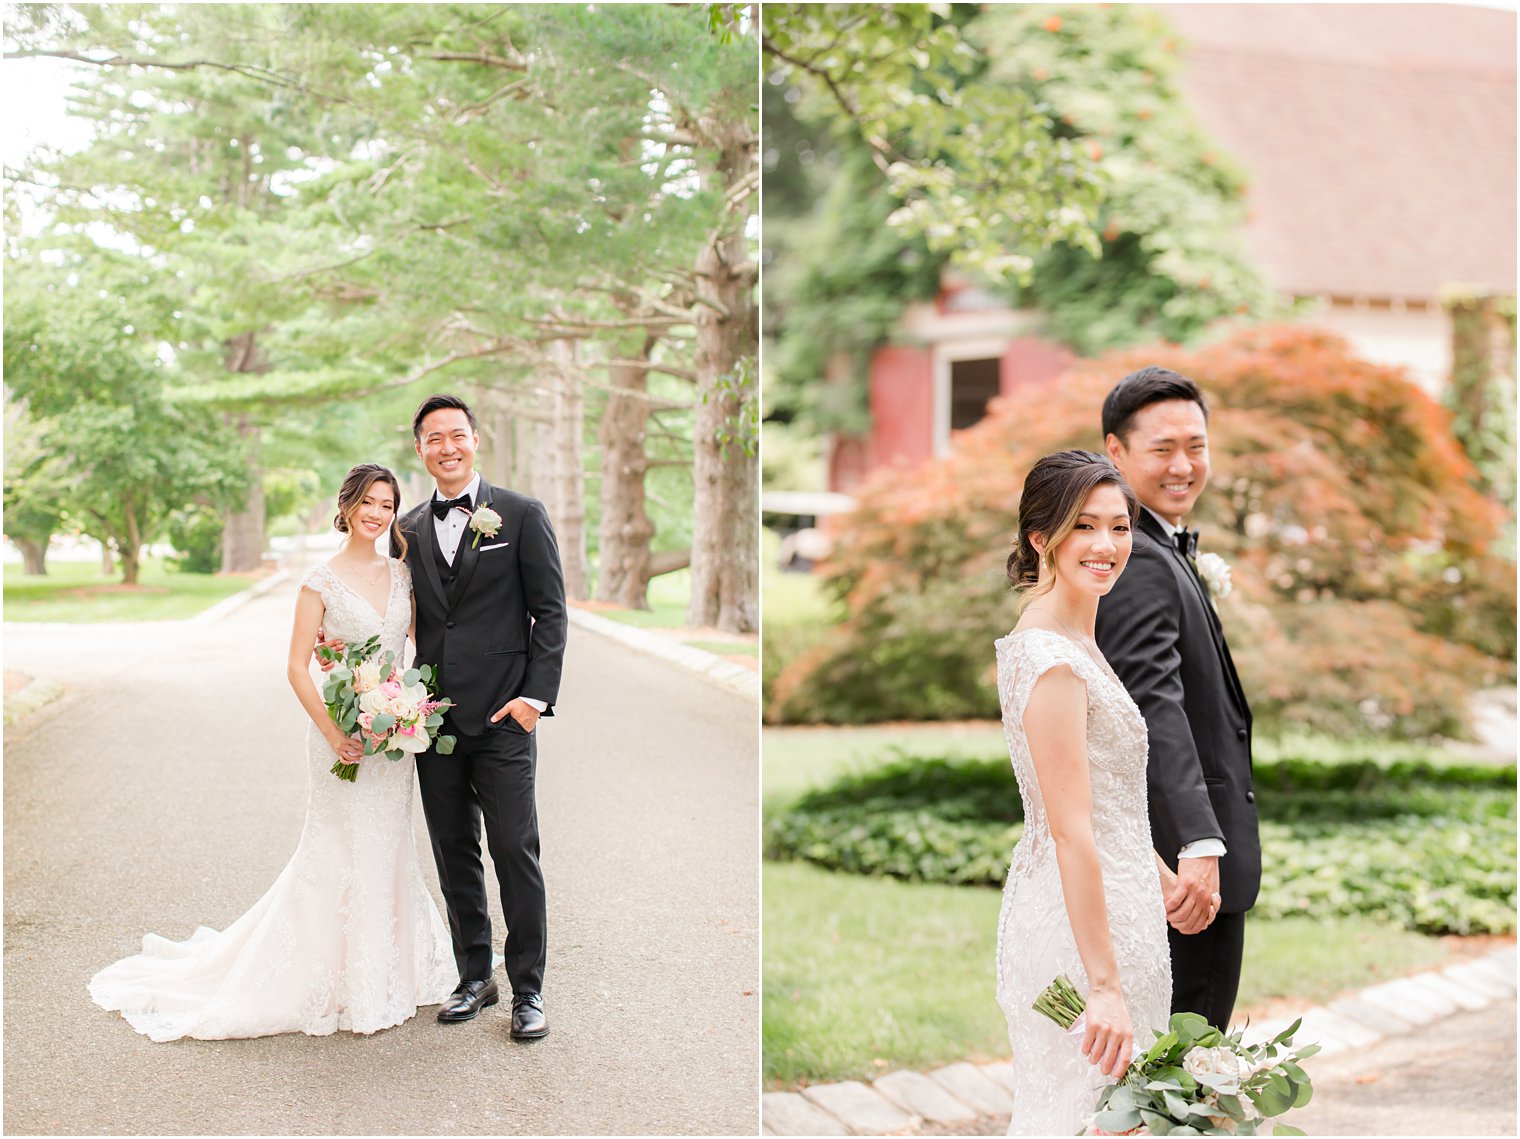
<point>1117,1121</point>
<point>444,745</point>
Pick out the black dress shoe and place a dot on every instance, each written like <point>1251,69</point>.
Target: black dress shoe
<point>468,999</point>
<point>528,1021</point>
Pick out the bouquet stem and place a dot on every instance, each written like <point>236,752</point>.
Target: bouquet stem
<point>1060,1002</point>
<point>349,772</point>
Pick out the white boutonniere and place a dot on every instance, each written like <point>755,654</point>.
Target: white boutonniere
<point>1215,572</point>
<point>484,521</point>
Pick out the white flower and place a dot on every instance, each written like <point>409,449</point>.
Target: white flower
<point>373,701</point>
<point>484,521</point>
<point>409,738</point>
<point>1215,572</point>
<point>1221,1061</point>
<point>367,676</point>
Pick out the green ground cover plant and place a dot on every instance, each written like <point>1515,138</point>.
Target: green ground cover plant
<point>1428,847</point>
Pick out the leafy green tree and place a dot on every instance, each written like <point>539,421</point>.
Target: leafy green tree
<point>36,487</point>
<point>1163,258</point>
<point>1172,258</point>
<point>978,168</point>
<point>511,199</point>
<point>84,359</point>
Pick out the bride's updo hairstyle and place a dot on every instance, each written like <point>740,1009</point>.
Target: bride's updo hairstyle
<point>1054,494</point>
<point>355,486</point>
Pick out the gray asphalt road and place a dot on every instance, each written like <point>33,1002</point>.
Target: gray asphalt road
<point>167,789</point>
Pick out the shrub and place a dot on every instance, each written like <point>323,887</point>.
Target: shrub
<point>1366,596</point>
<point>197,534</point>
<point>1431,848</point>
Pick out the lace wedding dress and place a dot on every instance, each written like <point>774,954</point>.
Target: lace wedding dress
<point>1055,1087</point>
<point>348,936</point>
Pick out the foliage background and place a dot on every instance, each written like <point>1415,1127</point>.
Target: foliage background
<point>1367,598</point>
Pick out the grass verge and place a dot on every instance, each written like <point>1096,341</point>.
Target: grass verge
<point>865,975</point>
<point>78,593</point>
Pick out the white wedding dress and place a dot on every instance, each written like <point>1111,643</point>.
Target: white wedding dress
<point>348,937</point>
<point>1055,1087</point>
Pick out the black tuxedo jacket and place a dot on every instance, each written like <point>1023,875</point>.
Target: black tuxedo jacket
<point>499,633</point>
<point>1164,640</point>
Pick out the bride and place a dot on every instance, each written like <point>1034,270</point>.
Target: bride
<point>1084,895</point>
<point>348,937</point>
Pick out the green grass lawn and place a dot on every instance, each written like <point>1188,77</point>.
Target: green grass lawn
<point>864,975</point>
<point>802,758</point>
<point>78,593</point>
<point>669,594</point>
<point>726,648</point>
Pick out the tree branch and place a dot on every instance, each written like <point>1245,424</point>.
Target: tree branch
<point>258,74</point>
<point>484,58</point>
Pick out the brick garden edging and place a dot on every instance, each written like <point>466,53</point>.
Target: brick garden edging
<point>905,1102</point>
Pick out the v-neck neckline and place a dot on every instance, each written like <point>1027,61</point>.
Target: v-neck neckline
<point>390,589</point>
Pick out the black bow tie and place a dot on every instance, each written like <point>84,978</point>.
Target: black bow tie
<point>441,508</point>
<point>1187,542</point>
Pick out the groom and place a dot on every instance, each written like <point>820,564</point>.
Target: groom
<point>490,603</point>
<point>1161,633</point>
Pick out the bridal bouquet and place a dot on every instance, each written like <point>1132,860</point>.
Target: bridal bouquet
<point>1194,1080</point>
<point>395,713</point>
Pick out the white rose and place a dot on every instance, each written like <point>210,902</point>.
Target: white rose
<point>486,521</point>
<point>1220,1061</point>
<point>1215,572</point>
<point>372,701</point>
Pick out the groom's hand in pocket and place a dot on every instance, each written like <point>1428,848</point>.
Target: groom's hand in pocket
<point>520,710</point>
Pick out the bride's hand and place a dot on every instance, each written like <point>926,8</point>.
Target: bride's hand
<point>1110,1038</point>
<point>346,748</point>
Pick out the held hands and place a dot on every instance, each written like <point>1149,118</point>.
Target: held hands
<point>1109,1042</point>
<point>1192,894</point>
<point>520,710</point>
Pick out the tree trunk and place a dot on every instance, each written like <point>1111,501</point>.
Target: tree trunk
<point>493,459</point>
<point>626,529</point>
<point>243,530</point>
<point>569,470</point>
<point>528,463</point>
<point>725,546</point>
<point>33,555</point>
<point>107,559</point>
<point>129,545</point>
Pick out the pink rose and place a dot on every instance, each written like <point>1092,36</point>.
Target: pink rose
<point>390,689</point>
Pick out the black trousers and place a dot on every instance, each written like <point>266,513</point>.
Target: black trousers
<point>489,779</point>
<point>1206,969</point>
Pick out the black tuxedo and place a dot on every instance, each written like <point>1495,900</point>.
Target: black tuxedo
<point>493,625</point>
<point>1164,640</point>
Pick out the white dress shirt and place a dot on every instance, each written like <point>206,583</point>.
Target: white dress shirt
<point>1203,847</point>
<point>451,530</point>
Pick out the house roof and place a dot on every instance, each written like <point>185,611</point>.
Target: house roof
<point>1379,139</point>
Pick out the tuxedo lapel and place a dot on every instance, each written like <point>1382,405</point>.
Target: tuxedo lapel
<point>1216,630</point>
<point>468,555</point>
<point>428,533</point>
